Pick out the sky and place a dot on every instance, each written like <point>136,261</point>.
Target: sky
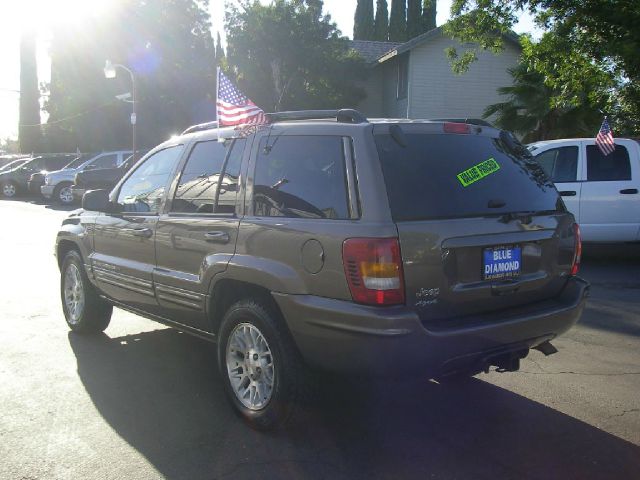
<point>42,13</point>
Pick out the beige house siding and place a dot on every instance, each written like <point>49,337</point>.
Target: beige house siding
<point>437,92</point>
<point>434,90</point>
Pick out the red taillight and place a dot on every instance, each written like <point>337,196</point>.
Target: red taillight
<point>373,267</point>
<point>577,254</point>
<point>451,127</point>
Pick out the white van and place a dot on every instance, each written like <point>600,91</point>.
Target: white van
<point>602,191</point>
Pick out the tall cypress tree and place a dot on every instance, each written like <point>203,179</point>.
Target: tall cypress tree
<point>428,15</point>
<point>363,28</point>
<point>382,21</point>
<point>219,49</point>
<point>414,18</point>
<point>398,21</point>
<point>29,132</point>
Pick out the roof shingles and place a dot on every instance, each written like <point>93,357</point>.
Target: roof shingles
<point>371,50</point>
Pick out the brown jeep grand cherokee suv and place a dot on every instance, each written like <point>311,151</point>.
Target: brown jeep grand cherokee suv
<point>324,240</point>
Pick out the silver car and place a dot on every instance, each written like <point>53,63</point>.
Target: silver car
<point>57,185</point>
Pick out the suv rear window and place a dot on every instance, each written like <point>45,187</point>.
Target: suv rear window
<point>433,177</point>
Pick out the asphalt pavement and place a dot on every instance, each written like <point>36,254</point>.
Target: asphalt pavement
<point>143,401</point>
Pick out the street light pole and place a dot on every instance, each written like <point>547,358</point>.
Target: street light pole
<point>110,72</point>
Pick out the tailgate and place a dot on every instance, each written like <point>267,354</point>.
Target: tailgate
<point>481,226</point>
<point>452,273</point>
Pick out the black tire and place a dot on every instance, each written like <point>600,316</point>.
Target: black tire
<point>95,314</point>
<point>289,382</point>
<point>6,188</point>
<point>56,194</point>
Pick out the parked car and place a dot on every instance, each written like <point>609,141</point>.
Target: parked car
<point>426,248</point>
<point>57,185</point>
<point>14,164</point>
<point>15,181</point>
<point>103,178</point>
<point>602,191</point>
<point>36,181</point>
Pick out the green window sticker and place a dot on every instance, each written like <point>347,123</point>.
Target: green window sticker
<point>478,172</point>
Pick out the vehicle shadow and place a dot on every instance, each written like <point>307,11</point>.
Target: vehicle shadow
<point>161,393</point>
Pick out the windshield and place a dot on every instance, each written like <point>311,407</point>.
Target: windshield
<point>12,165</point>
<point>441,175</point>
<point>76,162</point>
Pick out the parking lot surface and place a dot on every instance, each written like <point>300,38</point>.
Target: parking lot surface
<point>142,401</point>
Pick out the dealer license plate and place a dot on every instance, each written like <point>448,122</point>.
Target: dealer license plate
<point>501,262</point>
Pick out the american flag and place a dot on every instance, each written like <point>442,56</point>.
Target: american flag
<point>234,108</point>
<point>604,139</point>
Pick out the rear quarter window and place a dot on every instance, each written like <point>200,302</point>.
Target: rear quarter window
<point>445,176</point>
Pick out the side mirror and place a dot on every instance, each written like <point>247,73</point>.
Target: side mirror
<point>97,201</point>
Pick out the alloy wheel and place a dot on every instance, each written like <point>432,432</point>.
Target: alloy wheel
<point>250,366</point>
<point>9,190</point>
<point>65,195</point>
<point>73,293</point>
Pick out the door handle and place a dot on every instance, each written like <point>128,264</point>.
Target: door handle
<point>217,237</point>
<point>139,232</point>
<point>629,191</point>
<point>568,193</point>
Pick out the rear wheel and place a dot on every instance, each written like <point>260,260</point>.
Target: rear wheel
<point>9,189</point>
<point>63,194</point>
<point>261,369</point>
<point>84,310</point>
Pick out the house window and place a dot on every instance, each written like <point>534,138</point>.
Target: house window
<point>403,76</point>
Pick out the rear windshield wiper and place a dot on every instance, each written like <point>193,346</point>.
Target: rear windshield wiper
<point>524,217</point>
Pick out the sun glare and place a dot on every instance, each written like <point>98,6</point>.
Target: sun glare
<point>42,14</point>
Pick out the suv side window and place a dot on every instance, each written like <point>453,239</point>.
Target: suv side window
<point>228,192</point>
<point>197,187</point>
<point>142,192</point>
<point>606,168</point>
<point>301,176</point>
<point>196,192</point>
<point>561,164</point>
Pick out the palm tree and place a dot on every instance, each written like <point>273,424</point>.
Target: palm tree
<point>529,111</point>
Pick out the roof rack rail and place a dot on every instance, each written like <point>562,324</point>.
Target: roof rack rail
<point>200,127</point>
<point>345,115</point>
<point>470,121</point>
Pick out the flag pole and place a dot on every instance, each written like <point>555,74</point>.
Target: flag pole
<point>217,92</point>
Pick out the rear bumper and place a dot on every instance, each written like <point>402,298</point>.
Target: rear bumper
<point>346,337</point>
<point>47,190</point>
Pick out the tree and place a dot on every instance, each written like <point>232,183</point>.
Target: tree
<point>382,21</point>
<point>219,49</point>
<point>429,15</point>
<point>539,107</point>
<point>363,27</point>
<point>168,46</point>
<point>288,55</point>
<point>29,124</point>
<point>606,32</point>
<point>414,18</point>
<point>398,21</point>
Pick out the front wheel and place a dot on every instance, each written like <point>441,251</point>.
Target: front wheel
<point>9,189</point>
<point>260,366</point>
<point>63,194</point>
<point>84,310</point>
